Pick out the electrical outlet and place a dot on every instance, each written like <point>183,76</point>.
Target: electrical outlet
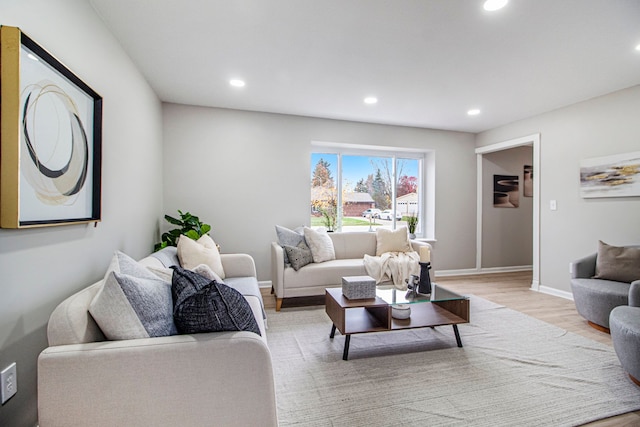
<point>8,382</point>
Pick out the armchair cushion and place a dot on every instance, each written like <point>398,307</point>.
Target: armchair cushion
<point>621,264</point>
<point>133,302</point>
<point>203,305</point>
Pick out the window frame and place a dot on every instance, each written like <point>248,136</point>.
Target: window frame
<point>426,177</point>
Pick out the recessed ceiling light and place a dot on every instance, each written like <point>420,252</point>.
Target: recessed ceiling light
<point>371,100</point>
<point>491,5</point>
<point>236,83</point>
<point>473,112</point>
<point>638,48</point>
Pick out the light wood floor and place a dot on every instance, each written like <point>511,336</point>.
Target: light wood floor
<point>512,290</point>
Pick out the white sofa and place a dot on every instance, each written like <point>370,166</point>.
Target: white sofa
<point>218,378</point>
<point>314,278</point>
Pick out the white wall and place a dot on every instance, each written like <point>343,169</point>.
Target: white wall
<point>506,232</point>
<point>245,172</point>
<point>599,127</point>
<point>41,267</point>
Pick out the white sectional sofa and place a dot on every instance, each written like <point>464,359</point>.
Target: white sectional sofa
<point>187,380</point>
<point>312,279</point>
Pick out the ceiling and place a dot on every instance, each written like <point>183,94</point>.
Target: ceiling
<point>427,61</point>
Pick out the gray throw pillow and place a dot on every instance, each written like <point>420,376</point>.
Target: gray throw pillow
<point>618,263</point>
<point>289,237</point>
<point>133,302</point>
<point>203,305</point>
<point>299,256</point>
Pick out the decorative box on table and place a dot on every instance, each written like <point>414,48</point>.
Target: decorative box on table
<point>358,287</point>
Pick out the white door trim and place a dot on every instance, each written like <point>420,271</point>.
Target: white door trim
<point>533,140</point>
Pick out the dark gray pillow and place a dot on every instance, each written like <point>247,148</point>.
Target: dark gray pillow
<point>203,305</point>
<point>289,238</point>
<point>299,256</point>
<point>618,263</point>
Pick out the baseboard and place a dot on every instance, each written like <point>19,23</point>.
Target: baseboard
<point>489,270</point>
<point>264,283</point>
<point>556,292</point>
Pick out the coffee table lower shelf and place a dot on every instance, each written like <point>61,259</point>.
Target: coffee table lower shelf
<point>374,315</point>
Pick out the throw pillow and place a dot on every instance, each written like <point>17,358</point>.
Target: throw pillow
<point>166,273</point>
<point>299,256</point>
<point>320,244</point>
<point>289,238</point>
<point>392,240</point>
<point>203,305</point>
<point>192,253</point>
<point>618,263</point>
<point>133,302</point>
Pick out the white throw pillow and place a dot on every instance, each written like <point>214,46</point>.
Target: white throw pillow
<point>320,244</point>
<point>166,274</point>
<point>392,240</point>
<point>192,253</point>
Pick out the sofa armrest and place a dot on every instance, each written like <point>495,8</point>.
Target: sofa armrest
<point>178,380</point>
<point>634,294</point>
<point>584,268</point>
<point>277,269</point>
<point>238,265</point>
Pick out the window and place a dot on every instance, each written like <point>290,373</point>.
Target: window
<point>360,190</point>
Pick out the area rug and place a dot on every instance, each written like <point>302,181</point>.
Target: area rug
<point>513,370</point>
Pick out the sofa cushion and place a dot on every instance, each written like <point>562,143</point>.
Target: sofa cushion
<point>392,240</point>
<point>299,255</point>
<point>133,302</point>
<point>203,251</point>
<point>320,244</point>
<point>620,264</point>
<point>203,305</point>
<point>289,237</point>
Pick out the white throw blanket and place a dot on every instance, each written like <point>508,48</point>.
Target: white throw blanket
<point>396,266</point>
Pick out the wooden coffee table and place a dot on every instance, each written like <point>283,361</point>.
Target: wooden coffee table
<point>374,315</point>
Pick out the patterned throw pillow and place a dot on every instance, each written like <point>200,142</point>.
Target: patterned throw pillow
<point>203,305</point>
<point>299,256</point>
<point>289,238</point>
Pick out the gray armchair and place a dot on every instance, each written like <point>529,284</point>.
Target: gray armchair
<point>624,322</point>
<point>595,298</point>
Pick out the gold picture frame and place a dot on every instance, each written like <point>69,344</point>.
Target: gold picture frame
<point>50,139</point>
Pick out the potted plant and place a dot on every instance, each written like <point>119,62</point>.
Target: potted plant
<point>412,223</point>
<point>189,225</point>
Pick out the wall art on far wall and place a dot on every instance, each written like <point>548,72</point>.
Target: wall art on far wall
<point>610,176</point>
<point>51,139</point>
<point>527,185</point>
<point>506,191</point>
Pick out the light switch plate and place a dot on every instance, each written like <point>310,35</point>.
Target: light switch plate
<point>8,382</point>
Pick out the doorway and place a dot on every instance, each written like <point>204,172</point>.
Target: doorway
<point>534,142</point>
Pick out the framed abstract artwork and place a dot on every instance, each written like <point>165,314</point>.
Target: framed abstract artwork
<point>611,176</point>
<point>506,191</point>
<point>50,139</point>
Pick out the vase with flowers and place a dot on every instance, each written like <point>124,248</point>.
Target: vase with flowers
<point>412,223</point>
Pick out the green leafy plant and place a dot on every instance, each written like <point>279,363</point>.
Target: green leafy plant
<point>189,225</point>
<point>412,223</point>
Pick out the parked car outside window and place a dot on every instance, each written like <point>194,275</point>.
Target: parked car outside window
<point>375,213</point>
<point>388,215</point>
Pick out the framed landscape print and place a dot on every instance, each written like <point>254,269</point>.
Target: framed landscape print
<point>50,139</point>
<point>611,176</point>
